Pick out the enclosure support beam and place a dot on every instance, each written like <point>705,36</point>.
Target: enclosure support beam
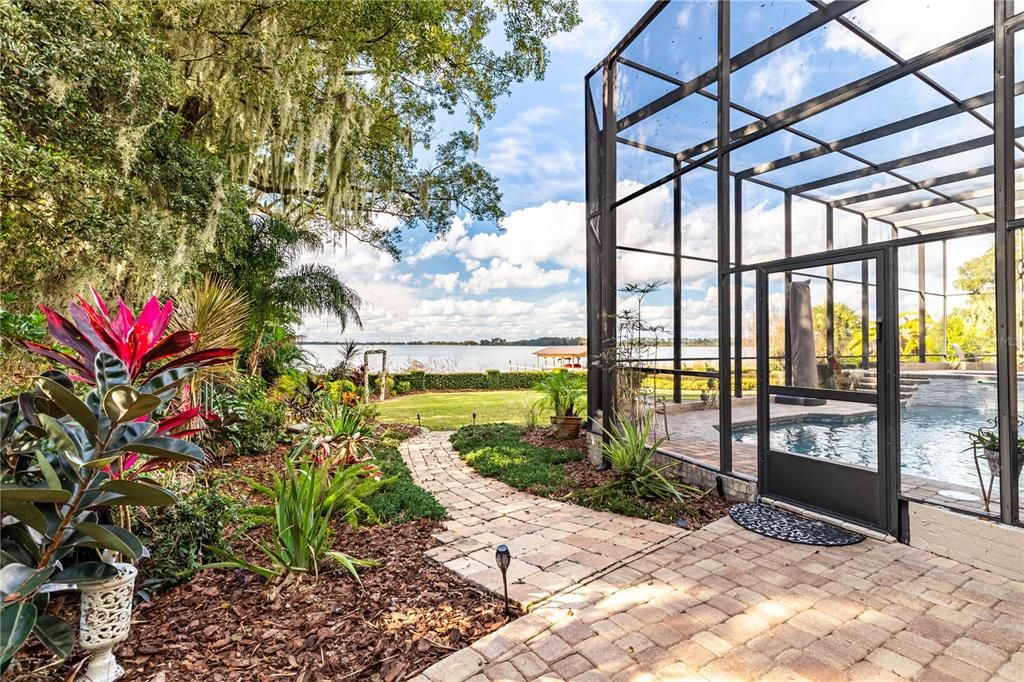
<point>913,159</point>
<point>873,134</point>
<point>677,286</point>
<point>722,162</point>
<point>609,305</point>
<point>737,220</point>
<point>945,301</point>
<point>773,42</point>
<point>787,227</point>
<point>865,309</point>
<point>922,330</point>
<point>1006,328</point>
<point>830,305</point>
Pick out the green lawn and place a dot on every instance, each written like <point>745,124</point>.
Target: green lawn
<point>449,411</point>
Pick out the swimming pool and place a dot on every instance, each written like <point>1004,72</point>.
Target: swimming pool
<point>932,441</point>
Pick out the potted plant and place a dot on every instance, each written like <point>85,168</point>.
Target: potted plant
<point>985,446</point>
<point>563,392</point>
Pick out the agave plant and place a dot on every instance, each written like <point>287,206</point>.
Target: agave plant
<point>629,453</point>
<point>57,492</point>
<point>347,435</point>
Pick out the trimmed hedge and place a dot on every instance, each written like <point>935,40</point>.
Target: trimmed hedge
<point>492,379</point>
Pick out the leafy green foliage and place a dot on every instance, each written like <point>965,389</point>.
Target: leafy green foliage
<point>304,500</point>
<point>262,266</point>
<point>401,500</point>
<point>258,421</point>
<point>460,381</point>
<point>563,392</point>
<point>178,537</point>
<point>167,121</point>
<point>57,488</point>
<point>497,451</point>
<point>630,456</point>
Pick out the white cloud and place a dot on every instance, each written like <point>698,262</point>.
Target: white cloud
<point>780,81</point>
<point>910,27</point>
<point>552,232</point>
<point>446,281</point>
<point>503,274</point>
<point>596,34</point>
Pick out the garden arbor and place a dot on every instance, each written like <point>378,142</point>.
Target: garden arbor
<point>868,148</point>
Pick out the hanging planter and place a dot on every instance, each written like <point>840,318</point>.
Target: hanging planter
<point>106,615</point>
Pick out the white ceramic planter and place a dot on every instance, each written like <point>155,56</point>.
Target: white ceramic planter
<point>106,615</point>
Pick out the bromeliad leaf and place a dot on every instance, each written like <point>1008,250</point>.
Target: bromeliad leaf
<point>68,402</point>
<point>55,633</point>
<point>173,449</point>
<point>125,404</point>
<point>114,538</point>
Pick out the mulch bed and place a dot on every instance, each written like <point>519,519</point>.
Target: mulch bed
<point>583,477</point>
<point>542,438</point>
<point>229,625</point>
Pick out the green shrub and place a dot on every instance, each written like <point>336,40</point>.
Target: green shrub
<point>497,451</point>
<point>260,419</point>
<point>177,536</point>
<point>402,500</point>
<point>389,383</point>
<point>492,379</point>
<point>402,387</point>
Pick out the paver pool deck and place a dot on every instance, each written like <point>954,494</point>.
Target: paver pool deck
<point>720,603</point>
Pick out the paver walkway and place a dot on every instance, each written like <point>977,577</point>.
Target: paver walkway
<point>723,603</point>
<point>553,544</point>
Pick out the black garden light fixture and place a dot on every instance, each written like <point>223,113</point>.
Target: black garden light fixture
<point>503,558</point>
<point>419,424</point>
<point>474,424</point>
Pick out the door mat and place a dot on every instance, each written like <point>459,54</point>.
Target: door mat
<point>782,525</point>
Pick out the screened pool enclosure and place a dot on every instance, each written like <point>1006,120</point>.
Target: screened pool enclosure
<point>802,236</point>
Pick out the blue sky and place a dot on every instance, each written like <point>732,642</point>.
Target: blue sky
<point>527,279</point>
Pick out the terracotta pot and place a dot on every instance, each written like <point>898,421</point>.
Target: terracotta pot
<point>566,428</point>
<point>106,615</point>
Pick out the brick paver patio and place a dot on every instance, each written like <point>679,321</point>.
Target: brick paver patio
<point>723,603</point>
<point>554,544</point>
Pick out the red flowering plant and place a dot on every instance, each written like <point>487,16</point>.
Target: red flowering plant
<point>155,362</point>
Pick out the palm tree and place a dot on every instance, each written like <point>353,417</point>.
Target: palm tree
<point>262,266</point>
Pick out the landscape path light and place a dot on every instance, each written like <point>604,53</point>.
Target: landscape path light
<point>503,558</point>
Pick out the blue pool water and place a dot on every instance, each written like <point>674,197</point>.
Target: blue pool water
<point>932,441</point>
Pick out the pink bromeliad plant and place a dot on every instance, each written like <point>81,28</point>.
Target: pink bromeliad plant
<point>147,352</point>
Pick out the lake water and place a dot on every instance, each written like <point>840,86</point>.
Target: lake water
<point>461,358</point>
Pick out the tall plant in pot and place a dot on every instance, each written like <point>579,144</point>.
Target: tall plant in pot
<point>563,392</point>
<point>71,464</point>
